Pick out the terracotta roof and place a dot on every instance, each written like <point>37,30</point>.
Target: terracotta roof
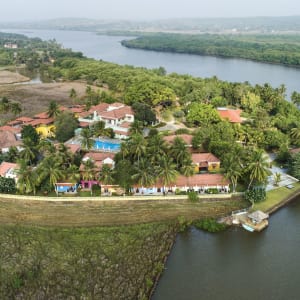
<point>41,122</point>
<point>43,115</point>
<point>117,113</point>
<point>125,125</point>
<point>24,119</point>
<point>14,130</point>
<point>204,157</point>
<point>8,139</point>
<point>99,156</point>
<point>99,108</point>
<point>232,115</point>
<point>187,138</point>
<point>14,122</point>
<point>84,124</point>
<point>76,109</point>
<point>5,167</point>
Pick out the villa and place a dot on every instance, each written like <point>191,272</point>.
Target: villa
<point>205,162</point>
<point>199,183</point>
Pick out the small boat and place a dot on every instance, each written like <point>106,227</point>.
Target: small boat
<point>247,227</point>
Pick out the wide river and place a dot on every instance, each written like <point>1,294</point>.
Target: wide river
<point>109,48</point>
<point>233,265</point>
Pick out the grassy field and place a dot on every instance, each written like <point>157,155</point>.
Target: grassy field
<point>88,213</point>
<point>82,263</point>
<point>276,198</point>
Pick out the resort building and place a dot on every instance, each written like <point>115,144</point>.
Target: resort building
<point>205,162</point>
<point>201,183</point>
<point>117,116</point>
<point>11,46</point>
<point>232,115</point>
<point>8,170</point>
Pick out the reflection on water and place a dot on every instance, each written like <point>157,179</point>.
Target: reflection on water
<point>236,264</point>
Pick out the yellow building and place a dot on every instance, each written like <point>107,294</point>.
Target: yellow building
<point>205,162</point>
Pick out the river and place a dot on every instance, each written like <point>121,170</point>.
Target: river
<point>235,264</point>
<point>109,48</point>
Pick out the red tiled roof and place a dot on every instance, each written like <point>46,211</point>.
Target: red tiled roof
<point>204,157</point>
<point>84,124</point>
<point>117,113</point>
<point>41,122</point>
<point>187,138</point>
<point>8,139</point>
<point>5,167</point>
<point>14,122</point>
<point>99,156</point>
<point>125,125</point>
<point>232,115</point>
<point>24,119</point>
<point>11,129</point>
<point>43,115</point>
<point>202,180</point>
<point>99,108</point>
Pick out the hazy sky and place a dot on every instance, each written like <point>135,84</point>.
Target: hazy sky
<point>15,10</point>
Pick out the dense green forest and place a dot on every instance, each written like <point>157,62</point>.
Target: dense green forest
<point>278,49</point>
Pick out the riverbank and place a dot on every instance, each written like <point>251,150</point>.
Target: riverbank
<point>278,198</point>
<point>72,212</point>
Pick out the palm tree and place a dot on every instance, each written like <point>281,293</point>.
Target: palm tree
<point>124,149</point>
<point>88,172</point>
<point>277,178</point>
<point>143,173</point>
<point>27,178</point>
<point>15,108</point>
<point>98,128</point>
<point>53,109</point>
<point>295,135</point>
<point>136,127</point>
<point>50,169</point>
<point>233,169</point>
<point>73,173</point>
<point>106,175</point>
<point>179,151</point>
<point>156,148</point>
<point>73,94</point>
<point>258,169</point>
<point>46,148</point>
<point>166,171</point>
<point>137,146</point>
<point>187,169</point>
<point>86,140</point>
<point>28,153</point>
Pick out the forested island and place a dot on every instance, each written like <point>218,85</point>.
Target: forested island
<point>277,49</point>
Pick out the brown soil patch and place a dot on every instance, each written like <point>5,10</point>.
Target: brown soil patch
<point>7,77</point>
<point>35,98</point>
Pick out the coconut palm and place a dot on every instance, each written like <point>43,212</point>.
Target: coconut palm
<point>50,170</point>
<point>295,135</point>
<point>73,94</point>
<point>73,173</point>
<point>136,127</point>
<point>233,169</point>
<point>15,108</point>
<point>86,140</point>
<point>156,148</point>
<point>277,178</point>
<point>137,146</point>
<point>27,178</point>
<point>89,172</point>
<point>179,151</point>
<point>28,153</point>
<point>187,169</point>
<point>53,109</point>
<point>143,173</point>
<point>166,170</point>
<point>106,175</point>
<point>46,148</point>
<point>258,169</point>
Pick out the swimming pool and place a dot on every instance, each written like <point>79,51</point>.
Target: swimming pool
<point>107,145</point>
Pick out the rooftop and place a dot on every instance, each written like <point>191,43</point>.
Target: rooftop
<point>232,115</point>
<point>201,157</point>
<point>5,167</point>
<point>187,138</point>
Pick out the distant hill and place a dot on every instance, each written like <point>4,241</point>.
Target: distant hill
<point>208,25</point>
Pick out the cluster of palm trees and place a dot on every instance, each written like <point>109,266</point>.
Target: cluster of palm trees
<point>151,159</point>
<point>9,106</point>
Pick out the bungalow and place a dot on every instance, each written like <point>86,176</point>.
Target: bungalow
<point>20,121</point>
<point>199,183</point>
<point>187,138</point>
<point>8,170</point>
<point>44,126</point>
<point>8,139</point>
<point>205,162</point>
<point>232,115</point>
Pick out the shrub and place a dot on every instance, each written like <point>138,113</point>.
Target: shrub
<point>212,191</point>
<point>210,225</point>
<point>257,194</point>
<point>7,185</point>
<point>193,196</point>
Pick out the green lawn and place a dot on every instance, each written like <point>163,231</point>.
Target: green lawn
<point>275,197</point>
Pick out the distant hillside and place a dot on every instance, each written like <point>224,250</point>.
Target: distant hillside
<point>210,25</point>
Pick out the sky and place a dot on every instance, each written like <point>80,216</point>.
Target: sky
<point>31,10</point>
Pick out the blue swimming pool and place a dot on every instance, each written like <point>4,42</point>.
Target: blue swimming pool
<point>113,146</point>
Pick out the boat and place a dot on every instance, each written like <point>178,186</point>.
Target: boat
<point>247,227</point>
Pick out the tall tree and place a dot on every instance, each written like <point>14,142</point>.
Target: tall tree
<point>53,109</point>
<point>86,140</point>
<point>166,171</point>
<point>106,175</point>
<point>27,178</point>
<point>143,173</point>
